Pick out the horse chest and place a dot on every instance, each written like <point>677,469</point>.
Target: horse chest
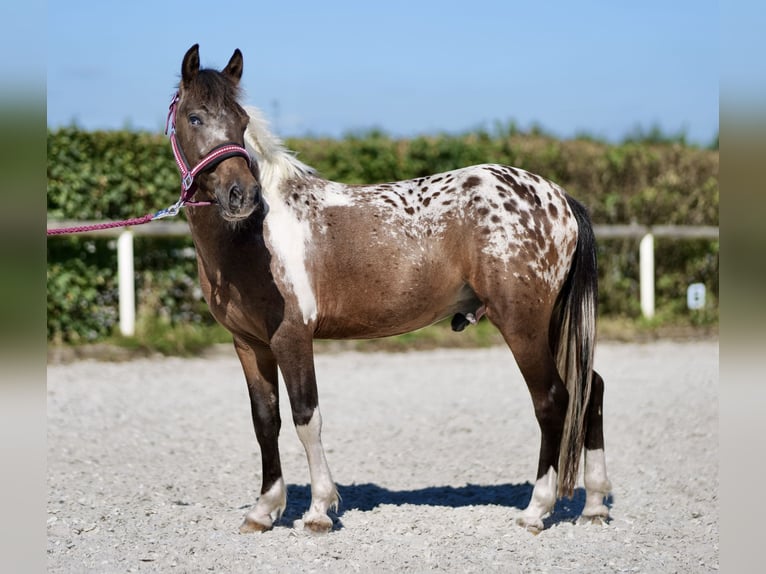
<point>286,238</point>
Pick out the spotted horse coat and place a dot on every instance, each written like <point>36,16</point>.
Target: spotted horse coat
<point>287,256</point>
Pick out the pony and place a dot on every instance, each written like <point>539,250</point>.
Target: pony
<point>285,256</point>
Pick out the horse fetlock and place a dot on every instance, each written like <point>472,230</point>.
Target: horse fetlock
<point>597,485</point>
<point>594,505</point>
<point>267,510</point>
<point>328,501</point>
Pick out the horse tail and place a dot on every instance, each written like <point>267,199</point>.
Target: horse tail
<point>572,342</point>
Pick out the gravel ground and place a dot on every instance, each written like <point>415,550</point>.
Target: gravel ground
<point>152,464</point>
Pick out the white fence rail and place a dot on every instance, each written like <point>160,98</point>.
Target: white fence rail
<point>126,276</point>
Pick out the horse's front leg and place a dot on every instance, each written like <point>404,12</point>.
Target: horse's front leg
<point>260,368</point>
<point>296,360</point>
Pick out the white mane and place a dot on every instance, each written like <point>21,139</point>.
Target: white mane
<point>275,161</point>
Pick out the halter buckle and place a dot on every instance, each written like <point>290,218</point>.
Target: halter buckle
<point>187,181</point>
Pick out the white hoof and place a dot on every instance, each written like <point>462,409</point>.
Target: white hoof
<point>533,525</point>
<point>317,523</point>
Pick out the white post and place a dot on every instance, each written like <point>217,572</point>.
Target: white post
<point>646,274</point>
<point>126,283</point>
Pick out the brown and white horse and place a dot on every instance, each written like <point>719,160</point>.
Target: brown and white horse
<point>286,256</point>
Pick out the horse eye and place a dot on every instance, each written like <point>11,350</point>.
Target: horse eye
<point>195,120</point>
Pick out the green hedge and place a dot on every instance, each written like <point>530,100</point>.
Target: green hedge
<point>122,174</point>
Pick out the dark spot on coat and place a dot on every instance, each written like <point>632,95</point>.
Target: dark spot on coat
<point>505,178</point>
<point>524,192</point>
<point>426,201</point>
<point>553,211</point>
<point>434,180</point>
<point>296,197</point>
<point>409,210</point>
<point>471,182</point>
<point>483,211</point>
<point>495,219</point>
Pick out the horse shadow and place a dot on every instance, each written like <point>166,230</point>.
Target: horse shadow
<point>368,496</point>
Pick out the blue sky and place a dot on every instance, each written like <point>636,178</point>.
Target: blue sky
<point>407,67</point>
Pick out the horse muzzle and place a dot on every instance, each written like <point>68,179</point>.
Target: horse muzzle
<point>239,201</point>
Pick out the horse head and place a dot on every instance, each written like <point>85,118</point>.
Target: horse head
<point>208,118</point>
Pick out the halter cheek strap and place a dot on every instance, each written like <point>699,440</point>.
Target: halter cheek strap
<point>213,157</point>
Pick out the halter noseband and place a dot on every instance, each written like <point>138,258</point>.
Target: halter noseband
<point>213,157</point>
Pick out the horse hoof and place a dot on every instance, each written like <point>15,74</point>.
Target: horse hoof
<point>597,514</point>
<point>535,526</point>
<point>318,524</point>
<point>249,525</point>
<point>597,519</point>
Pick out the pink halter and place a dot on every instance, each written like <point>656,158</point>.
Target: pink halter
<point>214,156</point>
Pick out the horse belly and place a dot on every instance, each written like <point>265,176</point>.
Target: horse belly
<point>385,306</point>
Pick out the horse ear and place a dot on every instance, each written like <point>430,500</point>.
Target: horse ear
<point>190,66</point>
<point>234,68</point>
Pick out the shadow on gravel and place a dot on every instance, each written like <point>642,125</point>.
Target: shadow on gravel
<point>368,496</point>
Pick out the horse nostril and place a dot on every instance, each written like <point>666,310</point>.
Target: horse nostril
<point>235,196</point>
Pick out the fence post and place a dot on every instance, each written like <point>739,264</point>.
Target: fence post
<point>646,274</point>
<point>127,285</point>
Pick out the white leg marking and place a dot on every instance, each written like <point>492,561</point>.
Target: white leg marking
<point>267,510</point>
<point>324,495</point>
<point>597,485</point>
<point>542,502</point>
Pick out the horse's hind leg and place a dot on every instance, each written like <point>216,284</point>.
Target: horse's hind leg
<point>260,368</point>
<point>597,485</point>
<point>525,329</point>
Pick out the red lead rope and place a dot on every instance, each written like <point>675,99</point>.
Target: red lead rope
<point>188,175</point>
<point>95,227</point>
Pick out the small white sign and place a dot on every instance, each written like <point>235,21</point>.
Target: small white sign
<point>695,296</point>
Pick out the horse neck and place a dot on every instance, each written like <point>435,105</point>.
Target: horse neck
<point>206,225</point>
